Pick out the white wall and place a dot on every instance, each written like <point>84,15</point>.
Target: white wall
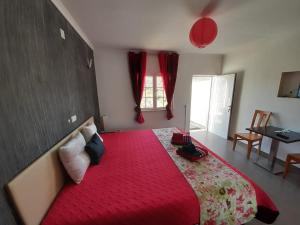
<point>115,95</point>
<point>259,71</point>
<point>60,6</point>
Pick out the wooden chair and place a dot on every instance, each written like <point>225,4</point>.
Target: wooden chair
<point>291,159</point>
<point>260,119</point>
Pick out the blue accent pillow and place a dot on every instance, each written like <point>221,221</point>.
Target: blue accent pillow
<point>95,149</point>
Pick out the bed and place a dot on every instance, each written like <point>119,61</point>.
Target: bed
<point>139,181</point>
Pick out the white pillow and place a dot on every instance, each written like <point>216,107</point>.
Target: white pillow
<point>74,157</point>
<point>89,131</point>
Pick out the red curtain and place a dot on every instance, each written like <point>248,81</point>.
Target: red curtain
<point>137,71</point>
<point>168,63</point>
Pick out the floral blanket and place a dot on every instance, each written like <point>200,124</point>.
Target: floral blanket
<point>225,197</point>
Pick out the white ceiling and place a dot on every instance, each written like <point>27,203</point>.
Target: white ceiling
<point>165,24</point>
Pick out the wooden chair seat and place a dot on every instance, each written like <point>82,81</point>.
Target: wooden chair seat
<point>291,159</point>
<point>249,136</point>
<point>295,157</point>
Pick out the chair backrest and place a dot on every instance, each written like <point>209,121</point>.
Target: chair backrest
<point>260,118</point>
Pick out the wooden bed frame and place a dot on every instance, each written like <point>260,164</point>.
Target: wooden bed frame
<point>36,187</point>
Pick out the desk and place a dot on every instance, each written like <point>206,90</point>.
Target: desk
<point>270,132</point>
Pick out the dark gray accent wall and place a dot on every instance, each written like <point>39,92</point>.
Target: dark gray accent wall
<point>44,80</point>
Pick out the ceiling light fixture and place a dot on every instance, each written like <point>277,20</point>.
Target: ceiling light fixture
<point>203,32</point>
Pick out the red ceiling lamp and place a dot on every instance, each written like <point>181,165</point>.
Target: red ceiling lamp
<point>203,32</point>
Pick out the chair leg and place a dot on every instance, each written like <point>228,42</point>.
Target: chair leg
<point>249,149</point>
<point>234,142</point>
<point>287,163</point>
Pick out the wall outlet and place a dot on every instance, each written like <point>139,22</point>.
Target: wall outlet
<point>73,118</point>
<point>62,34</point>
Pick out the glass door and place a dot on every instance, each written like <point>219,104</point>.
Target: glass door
<point>200,102</point>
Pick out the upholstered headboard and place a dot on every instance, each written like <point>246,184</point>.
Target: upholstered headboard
<point>35,188</point>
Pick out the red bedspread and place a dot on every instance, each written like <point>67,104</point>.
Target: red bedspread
<point>136,183</point>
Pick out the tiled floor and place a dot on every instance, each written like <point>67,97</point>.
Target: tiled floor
<point>196,126</point>
<point>284,192</point>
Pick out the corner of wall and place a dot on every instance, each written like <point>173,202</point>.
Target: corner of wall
<point>61,7</point>
<point>222,63</point>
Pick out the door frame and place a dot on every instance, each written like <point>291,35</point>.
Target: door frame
<point>232,99</point>
<point>233,95</point>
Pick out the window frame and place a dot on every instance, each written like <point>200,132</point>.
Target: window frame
<point>154,108</point>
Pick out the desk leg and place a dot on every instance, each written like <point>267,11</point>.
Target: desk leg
<point>273,153</point>
<point>270,165</point>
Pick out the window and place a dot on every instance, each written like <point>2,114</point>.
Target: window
<point>154,97</point>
